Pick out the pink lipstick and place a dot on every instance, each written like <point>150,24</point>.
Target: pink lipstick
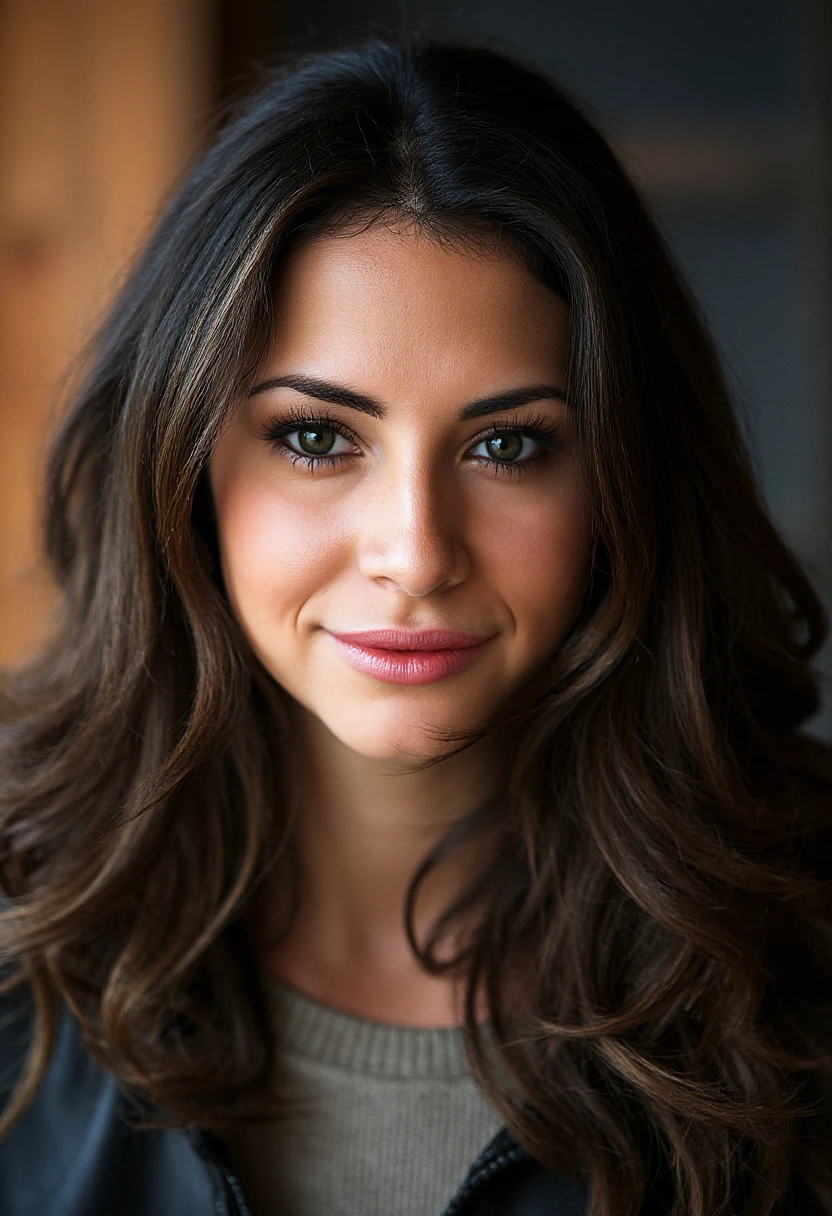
<point>398,656</point>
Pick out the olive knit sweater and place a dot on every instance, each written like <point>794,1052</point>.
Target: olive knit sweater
<point>381,1119</point>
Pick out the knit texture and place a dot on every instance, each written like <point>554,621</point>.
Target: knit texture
<point>380,1120</point>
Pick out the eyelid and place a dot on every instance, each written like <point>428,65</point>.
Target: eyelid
<point>296,419</point>
<point>540,426</point>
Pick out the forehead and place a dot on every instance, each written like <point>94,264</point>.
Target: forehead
<point>399,306</point>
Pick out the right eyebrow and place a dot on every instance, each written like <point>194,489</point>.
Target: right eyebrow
<point>339,394</point>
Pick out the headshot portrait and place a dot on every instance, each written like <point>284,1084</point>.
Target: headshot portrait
<point>415,753</point>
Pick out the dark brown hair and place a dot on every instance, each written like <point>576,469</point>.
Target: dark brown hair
<point>667,823</point>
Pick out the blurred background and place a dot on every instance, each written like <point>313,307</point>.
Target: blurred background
<point>722,109</point>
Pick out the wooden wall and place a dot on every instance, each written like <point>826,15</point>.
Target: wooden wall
<point>102,102</point>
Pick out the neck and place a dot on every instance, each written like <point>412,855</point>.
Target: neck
<point>362,828</point>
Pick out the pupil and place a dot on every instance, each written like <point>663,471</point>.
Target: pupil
<point>505,447</point>
<point>315,442</point>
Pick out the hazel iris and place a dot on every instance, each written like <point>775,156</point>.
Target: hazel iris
<point>504,447</point>
<point>316,441</point>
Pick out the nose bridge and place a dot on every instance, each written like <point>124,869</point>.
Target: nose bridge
<point>412,527</point>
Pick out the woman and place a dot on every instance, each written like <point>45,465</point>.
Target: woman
<point>416,767</point>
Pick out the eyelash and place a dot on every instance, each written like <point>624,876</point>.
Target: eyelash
<point>535,426</point>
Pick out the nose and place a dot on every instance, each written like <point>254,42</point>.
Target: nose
<point>412,531</point>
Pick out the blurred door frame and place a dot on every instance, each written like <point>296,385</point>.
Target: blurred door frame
<point>101,106</point>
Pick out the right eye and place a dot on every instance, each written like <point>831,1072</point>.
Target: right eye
<point>316,441</point>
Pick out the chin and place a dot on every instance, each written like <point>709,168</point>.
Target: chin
<point>395,741</point>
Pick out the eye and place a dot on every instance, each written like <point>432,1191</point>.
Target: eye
<point>508,446</point>
<point>313,442</point>
<point>317,441</point>
<point>519,447</point>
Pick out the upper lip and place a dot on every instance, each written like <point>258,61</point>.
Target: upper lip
<point>413,639</point>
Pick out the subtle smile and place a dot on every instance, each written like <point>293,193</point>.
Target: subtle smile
<point>402,657</point>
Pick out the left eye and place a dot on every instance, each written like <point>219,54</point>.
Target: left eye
<point>506,447</point>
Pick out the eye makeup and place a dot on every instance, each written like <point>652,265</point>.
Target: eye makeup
<point>538,427</point>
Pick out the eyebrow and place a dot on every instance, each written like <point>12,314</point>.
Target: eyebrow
<point>338,394</point>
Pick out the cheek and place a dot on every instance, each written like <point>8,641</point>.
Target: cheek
<point>277,550</point>
<point>538,557</point>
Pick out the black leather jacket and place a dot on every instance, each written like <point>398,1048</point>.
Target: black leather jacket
<point>74,1154</point>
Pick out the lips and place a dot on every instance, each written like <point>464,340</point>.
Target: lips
<point>396,656</point>
<point>422,639</point>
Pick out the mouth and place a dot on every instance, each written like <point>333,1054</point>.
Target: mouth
<point>397,656</point>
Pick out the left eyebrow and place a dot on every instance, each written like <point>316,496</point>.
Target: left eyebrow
<point>339,394</point>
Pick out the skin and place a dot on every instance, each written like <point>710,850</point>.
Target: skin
<point>413,530</point>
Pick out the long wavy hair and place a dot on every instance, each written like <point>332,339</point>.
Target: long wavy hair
<point>667,823</point>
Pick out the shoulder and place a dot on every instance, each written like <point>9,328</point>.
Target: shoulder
<point>73,1152</point>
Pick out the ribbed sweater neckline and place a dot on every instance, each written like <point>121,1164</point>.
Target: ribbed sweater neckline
<point>307,1027</point>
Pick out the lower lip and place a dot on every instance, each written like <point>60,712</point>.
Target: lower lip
<point>409,666</point>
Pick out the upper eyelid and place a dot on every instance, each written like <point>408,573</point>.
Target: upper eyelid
<point>296,421</point>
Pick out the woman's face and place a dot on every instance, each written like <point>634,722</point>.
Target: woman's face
<point>384,485</point>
